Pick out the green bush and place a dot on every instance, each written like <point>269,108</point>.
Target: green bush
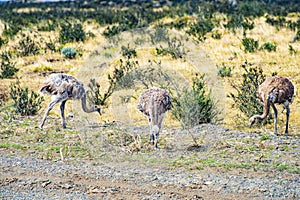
<point>200,28</point>
<point>2,41</point>
<point>269,46</point>
<point>194,106</point>
<point>94,93</point>
<point>175,49</point>
<point>117,79</point>
<point>11,30</point>
<point>8,69</point>
<point>111,31</point>
<point>296,37</point>
<point>69,52</point>
<point>292,50</point>
<point>28,46</point>
<point>245,96</point>
<point>71,33</point>
<point>224,70</point>
<point>216,35</point>
<point>250,45</point>
<point>128,52</point>
<point>25,102</point>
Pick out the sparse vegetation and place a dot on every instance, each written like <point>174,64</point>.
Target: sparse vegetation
<point>224,70</point>
<point>25,102</point>
<point>250,45</point>
<point>35,36</point>
<point>244,96</point>
<point>71,33</point>
<point>69,52</point>
<point>194,106</point>
<point>8,69</point>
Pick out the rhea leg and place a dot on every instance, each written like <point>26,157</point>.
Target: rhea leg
<point>62,111</point>
<point>275,118</point>
<point>287,118</point>
<point>50,106</point>
<point>151,132</point>
<point>63,97</point>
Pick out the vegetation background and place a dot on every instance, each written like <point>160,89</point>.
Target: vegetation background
<point>206,49</point>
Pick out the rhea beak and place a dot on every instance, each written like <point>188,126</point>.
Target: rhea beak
<point>99,111</point>
<point>252,122</point>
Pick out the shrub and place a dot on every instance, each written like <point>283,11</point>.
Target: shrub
<point>292,51</point>
<point>269,46</point>
<point>94,93</point>
<point>8,69</point>
<point>234,22</point>
<point>2,41</point>
<point>224,70</point>
<point>200,28</point>
<point>245,98</point>
<point>128,52</point>
<point>28,46</point>
<point>51,45</point>
<point>118,79</point>
<point>216,35</point>
<point>175,49</point>
<point>250,45</point>
<point>194,106</point>
<point>160,34</point>
<point>296,37</point>
<point>180,23</point>
<point>25,102</point>
<point>69,52</point>
<point>3,96</point>
<point>71,33</point>
<point>11,30</point>
<point>109,32</point>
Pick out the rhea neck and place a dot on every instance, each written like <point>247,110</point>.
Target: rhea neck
<point>84,107</point>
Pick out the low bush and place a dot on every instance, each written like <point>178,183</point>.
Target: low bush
<point>2,42</point>
<point>117,79</point>
<point>245,96</point>
<point>8,69</point>
<point>269,46</point>
<point>71,33</point>
<point>27,46</point>
<point>194,106</point>
<point>250,45</point>
<point>224,70</point>
<point>200,28</point>
<point>175,49</point>
<point>69,52</point>
<point>111,31</point>
<point>128,52</point>
<point>25,102</point>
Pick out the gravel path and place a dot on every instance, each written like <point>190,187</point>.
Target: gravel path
<point>26,177</point>
<point>30,178</point>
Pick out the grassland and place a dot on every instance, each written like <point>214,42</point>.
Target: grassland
<point>98,55</point>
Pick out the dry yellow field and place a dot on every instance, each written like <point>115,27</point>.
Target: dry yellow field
<point>200,58</point>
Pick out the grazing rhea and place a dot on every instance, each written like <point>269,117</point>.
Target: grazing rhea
<point>154,103</point>
<point>63,87</point>
<point>275,89</point>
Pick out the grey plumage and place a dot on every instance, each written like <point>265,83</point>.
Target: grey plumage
<point>63,87</point>
<point>274,90</point>
<point>154,103</point>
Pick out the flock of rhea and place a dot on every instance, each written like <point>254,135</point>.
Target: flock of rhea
<point>155,102</point>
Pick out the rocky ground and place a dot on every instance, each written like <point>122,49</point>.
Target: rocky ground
<point>24,176</point>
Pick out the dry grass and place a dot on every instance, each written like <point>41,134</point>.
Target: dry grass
<point>200,58</point>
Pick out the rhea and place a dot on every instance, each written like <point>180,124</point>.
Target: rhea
<point>274,90</point>
<point>63,87</point>
<point>154,103</point>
